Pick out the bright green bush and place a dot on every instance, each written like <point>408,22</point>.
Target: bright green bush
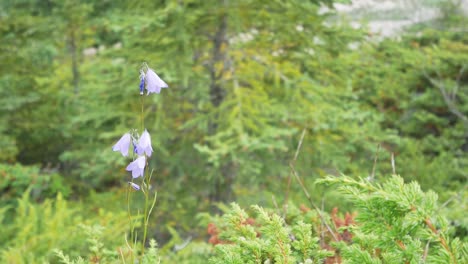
<point>396,223</point>
<point>16,179</point>
<point>265,238</point>
<point>100,254</point>
<point>37,229</point>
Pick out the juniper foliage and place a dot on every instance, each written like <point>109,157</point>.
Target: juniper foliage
<point>396,222</point>
<point>267,239</point>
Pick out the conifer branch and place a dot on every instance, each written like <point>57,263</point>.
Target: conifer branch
<point>309,198</point>
<point>447,98</point>
<point>442,240</point>
<point>293,162</point>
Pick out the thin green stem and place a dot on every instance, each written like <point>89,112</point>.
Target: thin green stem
<point>152,204</point>
<point>145,215</point>
<point>146,185</point>
<point>130,221</point>
<point>142,116</point>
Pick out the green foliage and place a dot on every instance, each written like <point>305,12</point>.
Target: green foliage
<point>418,85</point>
<point>96,247</point>
<point>151,255</point>
<point>17,180</point>
<point>36,229</point>
<point>80,110</point>
<point>281,68</point>
<point>397,223</point>
<point>246,78</point>
<point>100,254</point>
<point>179,250</point>
<point>268,238</point>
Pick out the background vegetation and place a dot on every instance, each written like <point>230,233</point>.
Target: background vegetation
<point>250,81</point>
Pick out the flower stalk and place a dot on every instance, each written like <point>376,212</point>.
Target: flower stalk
<point>142,151</point>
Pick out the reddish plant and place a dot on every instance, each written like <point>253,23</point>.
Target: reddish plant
<point>343,235</point>
<point>213,232</point>
<point>348,220</point>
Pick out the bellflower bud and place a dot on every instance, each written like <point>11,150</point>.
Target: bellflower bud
<point>142,82</point>
<point>134,186</point>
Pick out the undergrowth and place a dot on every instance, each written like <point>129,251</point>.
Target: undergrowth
<point>395,222</point>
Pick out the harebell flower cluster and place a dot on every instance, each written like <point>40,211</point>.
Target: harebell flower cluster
<point>142,149</point>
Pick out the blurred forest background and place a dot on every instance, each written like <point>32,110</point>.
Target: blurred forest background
<point>247,79</point>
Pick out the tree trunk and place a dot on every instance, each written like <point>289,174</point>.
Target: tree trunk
<point>74,59</point>
<point>218,66</point>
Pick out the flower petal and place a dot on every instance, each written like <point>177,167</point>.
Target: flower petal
<point>144,144</point>
<point>154,83</point>
<point>141,162</point>
<point>137,167</point>
<point>137,173</point>
<point>123,144</point>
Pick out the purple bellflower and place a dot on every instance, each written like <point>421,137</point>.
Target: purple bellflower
<point>123,144</point>
<point>154,84</point>
<point>144,144</point>
<point>137,167</point>
<point>135,144</point>
<point>134,186</point>
<point>142,82</point>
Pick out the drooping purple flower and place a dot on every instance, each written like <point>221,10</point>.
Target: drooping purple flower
<point>137,167</point>
<point>142,82</point>
<point>154,84</point>
<point>123,144</point>
<point>134,186</point>
<point>144,144</point>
